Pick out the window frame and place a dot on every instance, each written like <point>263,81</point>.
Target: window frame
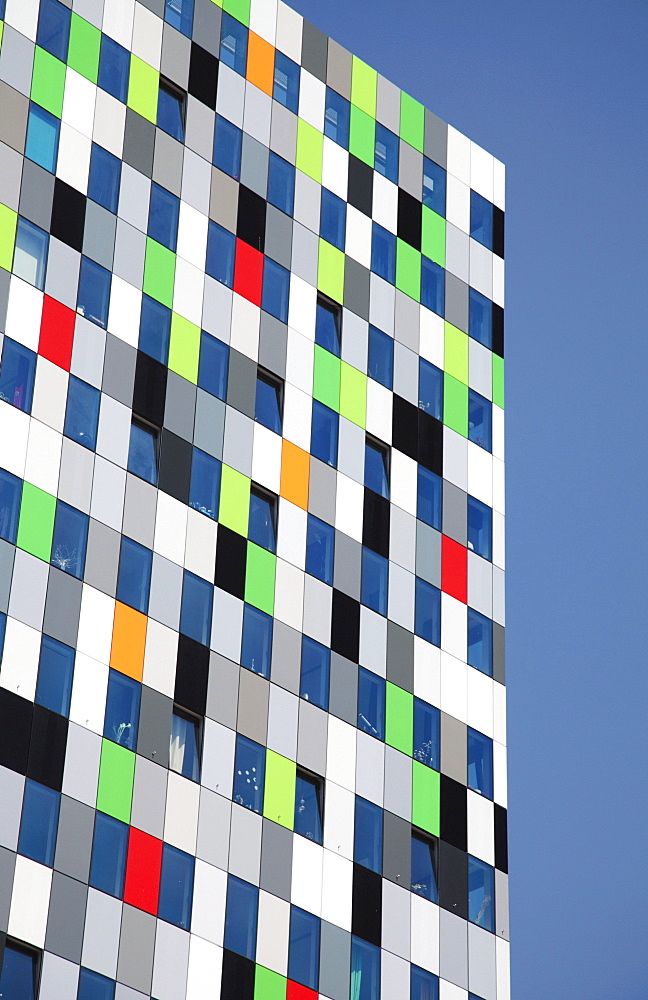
<point>383,450</point>
<point>154,432</point>
<point>36,955</point>
<point>180,712</point>
<point>271,499</point>
<point>171,89</point>
<point>335,310</point>
<point>432,844</point>
<point>316,783</point>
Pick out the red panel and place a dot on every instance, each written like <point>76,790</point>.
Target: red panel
<point>56,333</point>
<point>454,569</point>
<point>142,885</point>
<point>248,272</point>
<point>297,992</point>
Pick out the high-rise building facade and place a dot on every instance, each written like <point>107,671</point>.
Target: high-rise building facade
<point>252,729</point>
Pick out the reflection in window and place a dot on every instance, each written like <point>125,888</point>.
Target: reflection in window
<point>276,290</point>
<point>55,675</point>
<point>320,548</point>
<point>263,519</point>
<point>315,669</point>
<point>82,413</point>
<point>10,496</point>
<point>376,475</point>
<point>268,403</point>
<point>249,774</point>
<point>42,137</point>
<point>480,528</point>
<point>324,434</point>
<point>336,118</point>
<point>155,329</point>
<point>381,357</point>
<point>17,373</point>
<point>39,823</point>
<point>367,848</point>
<point>30,254</point>
<point>204,492</point>
<point>241,916</point>
<point>480,763</point>
<point>480,420</point>
<point>423,879</point>
<point>428,501</point>
<point>70,540</point>
<point>481,894</point>
<point>227,147</point>
<point>256,645</point>
<point>480,642</point>
<point>114,68</point>
<point>143,452</point>
<point>109,849</point>
<point>19,975</point>
<point>365,970</point>
<point>309,806</point>
<point>122,709</point>
<point>134,577</point>
<point>105,175</point>
<point>281,184</point>
<point>427,738</point>
<point>196,608</point>
<point>383,253</point>
<point>386,155</point>
<point>53,32</point>
<point>328,326</point>
<point>184,746</point>
<point>304,948</point>
<point>480,325</point>
<point>221,247</point>
<point>94,292</point>
<point>179,14</point>
<point>431,389</point>
<point>375,575</point>
<point>176,887</point>
<point>212,370</point>
<point>371,703</point>
<point>286,82</point>
<point>481,220</point>
<point>171,110</point>
<point>333,219</point>
<point>164,210</point>
<point>233,47</point>
<point>434,186</point>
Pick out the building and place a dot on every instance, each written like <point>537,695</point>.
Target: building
<point>251,517</point>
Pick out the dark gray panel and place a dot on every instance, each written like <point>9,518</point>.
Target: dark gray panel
<point>456,302</point>
<point>397,835</point>
<point>63,605</point>
<point>154,726</point>
<point>119,370</point>
<point>136,949</point>
<point>278,236</point>
<point>13,120</point>
<point>102,559</point>
<point>139,140</point>
<point>499,658</point>
<point>356,288</point>
<point>11,164</point>
<point>66,919</point>
<point>335,958</point>
<point>36,194</point>
<point>74,839</point>
<point>241,383</point>
<point>207,25</point>
<point>348,564</point>
<point>400,656</point>
<point>314,58</point>
<point>343,697</point>
<point>436,139</point>
<point>276,859</point>
<point>454,751</point>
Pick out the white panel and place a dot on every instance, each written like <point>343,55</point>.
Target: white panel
<point>79,102</point>
<point>481,835</point>
<point>108,487</point>
<point>43,457</point>
<point>19,667</point>
<point>385,202</point>
<point>480,473</point>
<point>188,291</point>
<point>448,991</point>
<point>297,414</point>
<point>181,817</point>
<point>455,458</point>
<point>291,537</point>
<point>341,753</point>
<point>312,97</point>
<point>192,235</point>
<point>302,307</point>
<point>499,539</point>
<point>208,910</point>
<point>226,624</point>
<point>370,768</point>
<point>289,32</point>
<point>499,713</point>
<point>245,327</point>
<point>499,180</point>
<point>498,432</point>
<point>480,702</point>
<point>401,596</point>
<point>73,162</point>
<point>24,312</point>
<point>458,203</point>
<point>266,458</point>
<point>14,431</point>
<point>205,966</point>
<point>349,507</point>
<point>481,268</point>
<point>283,713</point>
<point>200,545</point>
<point>113,435</point>
<point>502,957</point>
<point>427,671</point>
<point>499,502</point>
<point>88,702</point>
<point>160,657</point>
<point>337,890</point>
<point>30,901</point>
<point>170,527</point>
<point>431,337</point>
<point>272,933</point>
<point>109,122</point>
<point>263,19</point>
<point>125,309</point>
<point>338,820</point>
<point>147,36</point>
<point>379,412</point>
<point>219,745</point>
<point>118,21</point>
<point>424,924</point>
<point>95,624</point>
<point>358,236</point>
<point>454,687</point>
<point>454,627</point>
<point>458,158</point>
<point>307,875</point>
<point>335,168</point>
<point>498,280</point>
<point>23,16</point>
<point>481,171</point>
<point>403,482</point>
<point>289,594</point>
<point>500,790</point>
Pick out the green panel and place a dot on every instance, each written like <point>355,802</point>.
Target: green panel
<point>455,404</point>
<point>234,508</point>
<point>116,772</point>
<point>455,354</point>
<point>399,719</point>
<point>330,271</point>
<point>279,790</point>
<point>48,82</point>
<point>364,87</point>
<point>36,524</point>
<point>240,9</point>
<point>433,236</point>
<point>498,380</point>
<point>1,32</point>
<point>219,3</point>
<point>83,53</point>
<point>408,270</point>
<point>143,86</point>
<point>260,578</point>
<point>362,136</point>
<point>412,121</point>
<point>159,272</point>
<point>310,144</point>
<point>269,985</point>
<point>8,223</point>
<point>425,798</point>
<point>353,394</point>
<point>326,378</point>
<point>184,348</point>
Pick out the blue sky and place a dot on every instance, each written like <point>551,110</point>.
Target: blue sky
<point>558,91</point>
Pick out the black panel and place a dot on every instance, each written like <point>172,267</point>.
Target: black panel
<point>498,231</point>
<point>345,626</point>
<point>237,981</point>
<point>203,76</point>
<point>453,812</point>
<point>149,391</point>
<point>68,215</point>
<point>15,731</point>
<point>409,219</point>
<point>501,843</point>
<point>367,905</point>
<point>375,525</point>
<point>250,225</point>
<point>453,880</point>
<point>360,193</point>
<point>47,748</point>
<point>231,552</point>
<point>430,442</point>
<point>192,675</point>
<point>175,466</point>
<point>498,330</point>
<point>405,427</point>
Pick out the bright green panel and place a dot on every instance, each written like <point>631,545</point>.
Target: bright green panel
<point>399,718</point>
<point>83,53</point>
<point>455,405</point>
<point>8,223</point>
<point>279,789</point>
<point>455,352</point>
<point>48,82</point>
<point>1,32</point>
<point>364,87</point>
<point>362,136</point>
<point>260,578</point>
<point>425,798</point>
<point>143,86</point>
<point>330,271</point>
<point>433,236</point>
<point>234,508</point>
<point>240,9</point>
<point>36,524</point>
<point>159,272</point>
<point>326,378</point>
<point>269,985</point>
<point>310,144</point>
<point>115,790</point>
<point>498,380</point>
<point>412,121</point>
<point>408,270</point>
<point>219,3</point>
<point>353,394</point>
<point>184,348</point>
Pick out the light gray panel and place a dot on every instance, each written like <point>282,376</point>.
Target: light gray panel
<point>209,424</point>
<point>453,948</point>
<point>312,736</point>
<point>253,706</point>
<point>227,624</point>
<point>62,279</point>
<point>74,839</point>
<point>149,796</point>
<point>11,796</point>
<point>222,690</point>
<point>348,562</point>
<point>245,844</point>
<point>406,372</point>
<point>410,170</point>
<point>305,244</point>
<point>370,768</point>
<point>498,596</point>
<point>67,906</point>
<point>136,948</point>
<point>171,962</point>
<point>396,904</point>
<point>223,200</point>
<point>335,959</point>
<point>88,355</point>
<point>199,128</point>
<point>338,75</point>
<point>102,559</point>
<point>276,859</point>
<point>59,978</point>
<point>283,132</point>
<point>388,104</point>
<point>99,234</point>
<point>402,538</point>
<point>398,783</point>
<point>322,491</point>
<point>307,202</point>
<point>75,477</point>
<point>176,49</point>
<point>130,250</point>
<point>278,237</point>
<point>343,698</point>
<point>355,337</point>
<point>454,759</point>
<point>254,164</point>
<point>382,304</point>
<point>134,194</point>
<point>256,118</point>
<point>317,609</point>
<point>15,108</point>
<point>351,446</point>
<point>16,60</point>
<point>28,590</point>
<point>213,828</point>
<point>501,905</point>
<point>480,584</point>
<point>180,406</point>
<point>166,591</point>
<point>406,332</point>
<point>140,504</point>
<point>167,157</point>
<point>283,714</point>
<point>480,367</point>
<point>196,174</point>
<point>373,641</point>
<point>436,138</point>
<point>428,553</point>
<point>457,252</point>
<point>82,756</point>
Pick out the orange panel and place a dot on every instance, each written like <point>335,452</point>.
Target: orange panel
<point>260,63</point>
<point>128,641</point>
<point>294,474</point>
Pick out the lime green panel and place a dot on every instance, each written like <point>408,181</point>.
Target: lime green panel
<point>433,236</point>
<point>362,136</point>
<point>399,718</point>
<point>455,354</point>
<point>425,798</point>
<point>408,270</point>
<point>159,272</point>
<point>268,985</point>
<point>498,380</point>
<point>455,404</point>
<point>240,9</point>
<point>184,348</point>
<point>364,87</point>
<point>48,81</point>
<point>353,394</point>
<point>412,121</point>
<point>8,223</point>
<point>326,378</point>
<point>310,144</point>
<point>36,524</point>
<point>330,271</point>
<point>279,794</point>
<point>83,53</point>
<point>219,3</point>
<point>115,789</point>
<point>260,578</point>
<point>234,507</point>
<point>143,86</point>
<point>1,32</point>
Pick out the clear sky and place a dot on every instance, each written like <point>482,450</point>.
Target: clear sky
<point>558,90</point>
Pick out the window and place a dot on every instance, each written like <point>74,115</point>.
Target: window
<point>227,147</point>
<point>109,849</point>
<point>383,253</point>
<point>371,703</point>
<point>233,47</point>
<point>336,118</point>
<point>17,373</point>
<point>428,506</point>
<point>480,420</point>
<point>53,32</point>
<point>164,210</point>
<point>427,734</point>
<point>134,577</point>
<point>176,887</point>
<point>82,413</point>
<point>55,676</point>
<point>304,948</point>
<point>324,434</point>
<point>423,985</point>
<point>212,370</point>
<point>434,186</point>
<point>249,774</point>
<point>368,837</point>
<point>171,109</point>
<point>256,644</point>
<point>10,496</point>
<point>276,290</point>
<point>480,323</point>
<point>328,323</point>
<point>114,68</point>
<point>269,401</point>
<point>315,670</point>
<point>481,220</point>
<point>480,763</point>
<point>286,82</point>
<point>204,492</point>
<point>3,628</point>
<point>481,894</point>
<point>423,879</point>
<point>432,286</point>
<point>105,175</point>
<point>221,247</point>
<point>365,970</point>
<point>70,540</point>
<point>263,519</point>
<point>320,549</point>
<point>375,576</point>
<point>93,986</point>
<point>196,608</point>
<point>333,219</point>
<point>20,972</point>
<point>281,184</point>
<point>179,14</point>
<point>184,745</point>
<point>427,618</point>
<point>386,153</point>
<point>376,472</point>
<point>122,709</point>
<point>480,528</point>
<point>155,329</point>
<point>39,823</point>
<point>42,137</point>
<point>143,452</point>
<point>241,917</point>
<point>430,389</point>
<point>480,642</point>
<point>381,357</point>
<point>30,254</point>
<point>309,806</point>
<point>94,292</point>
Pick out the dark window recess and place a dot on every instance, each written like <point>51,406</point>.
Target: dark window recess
<point>192,675</point>
<point>375,528</point>
<point>501,845</point>
<point>453,812</point>
<point>175,466</point>
<point>237,980</point>
<point>251,219</point>
<point>498,231</point>
<point>68,215</point>
<point>367,905</point>
<point>430,442</point>
<point>231,552</point>
<point>203,76</point>
<point>149,392</point>
<point>19,970</point>
<point>171,109</point>
<point>15,732</point>
<point>409,219</point>
<point>360,193</point>
<point>453,880</point>
<point>345,626</point>
<point>47,748</point>
<point>498,330</point>
<point>405,427</point>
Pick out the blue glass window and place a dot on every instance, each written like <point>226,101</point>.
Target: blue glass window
<point>286,82</point>
<point>39,823</point>
<point>143,453</point>
<point>427,734</point>
<point>42,137</point>
<point>375,576</point>
<point>386,153</point>
<point>233,47</point>
<point>3,7</point>
<point>184,745</point>
<point>336,118</point>
<point>480,420</point>
<point>179,14</point>
<point>164,209</point>
<point>376,472</point>
<point>320,549</point>
<point>241,917</point>
<point>371,703</point>
<point>427,619</point>
<point>227,147</point>
<point>70,540</point>
<point>276,289</point>
<point>327,327</point>
<point>19,975</point>
<point>434,186</point>
<point>333,219</point>
<point>367,846</point>
<point>268,402</point>
<point>122,709</point>
<point>480,763</point>
<point>309,806</point>
<point>481,220</point>
<point>221,247</point>
<point>176,887</point>
<point>383,253</point>
<point>263,519</point>
<point>3,629</point>
<point>423,985</point>
<point>17,373</point>
<point>324,434</point>
<point>155,329</point>
<point>432,286</point>
<point>30,254</point>
<point>480,528</point>
<point>55,675</point>
<point>430,389</point>
<point>94,292</point>
<point>134,577</point>
<point>304,948</point>
<point>114,68</point>
<point>381,357</point>
<point>365,970</point>
<point>480,325</point>
<point>196,609</point>
<point>105,175</point>
<point>481,894</point>
<point>10,496</point>
<point>54,28</point>
<point>428,506</point>
<point>315,670</point>
<point>281,184</point>
<point>249,774</point>
<point>109,849</point>
<point>82,413</point>
<point>423,877</point>
<point>212,370</point>
<point>256,644</point>
<point>480,642</point>
<point>204,492</point>
<point>93,986</point>
<point>171,110</point>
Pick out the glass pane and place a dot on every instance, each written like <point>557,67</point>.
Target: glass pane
<point>308,808</point>
<point>92,986</point>
<point>365,970</point>
<point>17,374</point>
<point>480,528</point>
<point>19,973</point>
<point>82,413</point>
<point>170,112</point>
<point>432,286</point>
<point>367,849</point>
<point>39,823</point>
<point>70,539</point>
<point>424,985</point>
<point>134,578</point>
<point>479,420</point>
<point>220,254</point>
<point>10,495</point>
<point>205,483</point>
<point>114,68</point>
<point>227,147</point>
<point>324,434</point>
<point>276,290</point>
<point>320,547</point>
<point>249,772</point>
<point>164,209</point>
<point>3,629</point>
<point>386,156</point>
<point>179,14</point>
<point>371,703</point>
<point>427,723</point>
<point>94,292</point>
<point>327,328</point>
<point>30,255</point>
<point>431,389</point>
<point>336,118</point>
<point>155,329</point>
<point>176,887</point>
<point>383,253</point>
<point>262,529</point>
<point>241,917</point>
<point>427,621</point>
<point>233,47</point>
<point>122,710</point>
<point>55,675</point>
<point>286,82</point>
<point>480,642</point>
<point>481,220</point>
<point>184,754</point>
<point>381,357</point>
<point>423,873</point>
<point>333,219</point>
<point>315,666</point>
<point>196,610</point>
<point>376,469</point>
<point>480,763</point>
<point>375,571</point>
<point>109,855</point>
<point>281,184</point>
<point>142,454</point>
<point>42,137</point>
<point>212,371</point>
<point>481,319</point>
<point>256,646</point>
<point>481,894</point>
<point>304,948</point>
<point>105,175</point>
<point>54,28</point>
<point>434,187</point>
<point>429,497</point>
<point>267,408</point>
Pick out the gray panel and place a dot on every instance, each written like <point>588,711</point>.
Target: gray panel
<point>206,27</point>
<point>453,948</point>
<point>209,423</point>
<point>136,948</point>
<point>278,236</point>
<point>357,280</point>
<point>67,906</point>
<point>254,166</point>
<point>312,736</point>
<point>283,132</point>
<point>119,370</point>
<point>102,559</point>
<point>276,859</point>
<point>335,960</point>
<point>338,71</point>
<point>436,139</point>
<point>223,203</point>
<point>167,162</point>
<point>406,331</point>
<point>74,839</point>
<point>348,559</point>
<point>99,234</point>
<point>501,905</point>
<point>314,55</point>
<point>140,503</point>
<point>241,383</point>
<point>222,691</point>
<point>176,49</point>
<point>7,553</point>
<point>15,108</point>
<point>139,140</point>
<point>286,656</point>
<point>5,280</point>
<point>199,128</point>
<point>273,340</point>
<point>180,406</point>
<point>245,844</point>
<point>410,170</point>
<point>454,752</point>
<point>428,553</point>
<point>343,697</point>
<point>455,513</point>
<point>456,302</point>
<point>11,796</point>
<point>499,661</point>
<point>397,835</point>
<point>212,844</point>
<point>322,491</point>
<point>400,656</point>
<point>7,865</point>
<point>36,194</point>
<point>388,104</point>
<point>154,726</point>
<point>149,796</point>
<point>253,706</point>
